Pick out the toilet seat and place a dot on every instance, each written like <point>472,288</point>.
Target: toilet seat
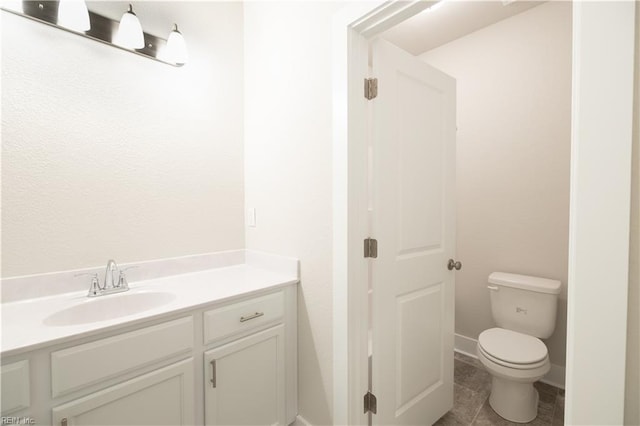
<point>512,349</point>
<point>497,361</point>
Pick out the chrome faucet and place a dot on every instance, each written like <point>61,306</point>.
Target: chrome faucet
<point>109,279</point>
<point>111,284</point>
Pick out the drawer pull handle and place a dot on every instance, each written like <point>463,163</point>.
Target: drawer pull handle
<point>250,317</point>
<point>213,373</point>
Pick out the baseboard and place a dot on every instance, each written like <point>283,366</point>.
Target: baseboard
<point>467,346</point>
<point>300,421</point>
<point>555,376</point>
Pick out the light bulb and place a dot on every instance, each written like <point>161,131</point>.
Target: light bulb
<point>74,15</point>
<point>176,50</point>
<point>129,33</point>
<point>13,5</point>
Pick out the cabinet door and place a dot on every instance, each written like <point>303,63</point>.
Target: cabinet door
<point>15,387</point>
<point>245,381</point>
<point>161,397</point>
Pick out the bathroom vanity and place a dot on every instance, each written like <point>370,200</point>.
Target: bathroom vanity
<point>214,347</point>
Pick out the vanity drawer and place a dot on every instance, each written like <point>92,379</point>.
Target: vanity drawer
<point>83,365</point>
<point>15,386</point>
<point>238,317</point>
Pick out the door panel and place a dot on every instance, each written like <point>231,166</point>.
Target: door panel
<point>419,217</point>
<point>414,222</point>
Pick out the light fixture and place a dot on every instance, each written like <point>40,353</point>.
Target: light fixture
<point>129,33</point>
<point>13,5</point>
<point>74,15</point>
<point>176,50</point>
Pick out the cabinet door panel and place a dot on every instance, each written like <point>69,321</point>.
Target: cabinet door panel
<point>82,365</point>
<point>161,397</point>
<point>245,382</point>
<point>15,386</point>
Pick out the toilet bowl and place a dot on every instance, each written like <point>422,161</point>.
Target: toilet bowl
<point>515,361</point>
<point>524,309</point>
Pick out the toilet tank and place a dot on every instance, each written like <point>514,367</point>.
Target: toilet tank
<point>523,303</point>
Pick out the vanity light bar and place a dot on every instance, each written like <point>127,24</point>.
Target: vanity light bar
<point>102,29</point>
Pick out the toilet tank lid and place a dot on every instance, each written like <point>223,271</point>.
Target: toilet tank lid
<point>525,282</point>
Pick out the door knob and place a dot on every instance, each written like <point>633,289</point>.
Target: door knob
<point>453,264</point>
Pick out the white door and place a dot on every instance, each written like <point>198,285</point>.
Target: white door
<point>245,381</point>
<point>413,219</point>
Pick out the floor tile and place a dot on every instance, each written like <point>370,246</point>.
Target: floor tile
<point>472,386</point>
<point>558,413</point>
<point>487,417</point>
<point>547,402</point>
<point>469,360</point>
<point>449,420</point>
<point>466,403</point>
<point>547,392</point>
<point>474,378</point>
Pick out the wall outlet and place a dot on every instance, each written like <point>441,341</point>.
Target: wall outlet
<point>251,217</point>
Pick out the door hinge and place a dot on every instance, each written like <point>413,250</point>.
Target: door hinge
<point>371,248</point>
<point>370,88</point>
<point>370,403</point>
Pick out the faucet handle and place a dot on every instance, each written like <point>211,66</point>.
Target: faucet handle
<point>94,288</point>
<point>122,279</point>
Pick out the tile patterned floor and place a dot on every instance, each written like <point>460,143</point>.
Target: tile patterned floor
<point>472,385</point>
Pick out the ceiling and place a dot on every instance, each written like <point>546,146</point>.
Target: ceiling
<point>450,20</point>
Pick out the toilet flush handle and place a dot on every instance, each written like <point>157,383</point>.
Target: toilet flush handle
<point>493,287</point>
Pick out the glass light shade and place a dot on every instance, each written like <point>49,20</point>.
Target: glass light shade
<point>176,50</point>
<point>14,5</point>
<point>129,33</point>
<point>74,15</point>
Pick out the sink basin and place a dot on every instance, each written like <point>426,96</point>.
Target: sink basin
<point>108,307</point>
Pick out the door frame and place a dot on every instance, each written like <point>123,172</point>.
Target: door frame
<point>596,27</point>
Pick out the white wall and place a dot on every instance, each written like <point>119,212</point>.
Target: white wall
<point>632,385</point>
<point>513,151</point>
<point>288,140</point>
<point>106,154</point>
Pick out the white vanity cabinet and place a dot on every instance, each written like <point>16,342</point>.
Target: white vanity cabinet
<point>159,371</point>
<point>246,377</point>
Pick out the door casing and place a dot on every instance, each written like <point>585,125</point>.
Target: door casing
<point>595,29</point>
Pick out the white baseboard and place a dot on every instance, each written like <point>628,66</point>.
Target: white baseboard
<point>555,376</point>
<point>467,346</point>
<point>300,421</point>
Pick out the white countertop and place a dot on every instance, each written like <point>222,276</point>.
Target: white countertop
<point>24,322</point>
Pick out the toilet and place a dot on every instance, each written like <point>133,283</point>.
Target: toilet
<point>524,310</point>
